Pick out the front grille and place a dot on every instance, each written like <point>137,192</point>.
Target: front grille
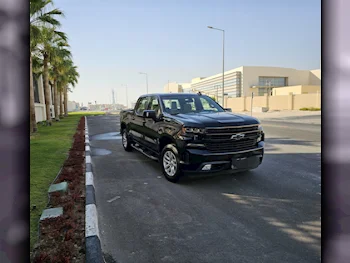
<point>219,140</point>
<point>231,146</point>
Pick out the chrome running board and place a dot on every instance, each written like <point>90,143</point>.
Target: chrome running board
<point>144,153</point>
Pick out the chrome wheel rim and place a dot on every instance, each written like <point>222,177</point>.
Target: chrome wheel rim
<point>170,163</point>
<point>125,140</point>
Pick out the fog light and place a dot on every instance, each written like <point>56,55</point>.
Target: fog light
<point>206,167</point>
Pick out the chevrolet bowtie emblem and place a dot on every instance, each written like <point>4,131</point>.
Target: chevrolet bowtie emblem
<point>237,136</point>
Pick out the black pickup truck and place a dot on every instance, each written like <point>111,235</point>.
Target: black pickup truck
<point>192,133</point>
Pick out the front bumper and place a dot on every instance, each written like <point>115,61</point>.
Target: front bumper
<point>194,160</point>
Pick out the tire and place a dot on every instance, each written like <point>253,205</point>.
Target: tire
<point>126,141</point>
<point>170,156</point>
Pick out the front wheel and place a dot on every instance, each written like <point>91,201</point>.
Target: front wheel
<point>170,163</point>
<point>126,141</point>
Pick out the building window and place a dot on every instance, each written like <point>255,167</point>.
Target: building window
<point>213,87</point>
<point>272,81</point>
<point>36,89</point>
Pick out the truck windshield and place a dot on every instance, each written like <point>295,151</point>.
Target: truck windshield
<point>174,104</point>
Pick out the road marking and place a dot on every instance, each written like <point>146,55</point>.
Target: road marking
<point>88,159</point>
<point>113,199</point>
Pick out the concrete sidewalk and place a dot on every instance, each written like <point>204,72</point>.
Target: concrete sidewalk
<point>294,116</point>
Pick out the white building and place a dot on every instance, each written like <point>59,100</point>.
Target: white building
<point>39,99</point>
<point>72,106</point>
<point>245,80</point>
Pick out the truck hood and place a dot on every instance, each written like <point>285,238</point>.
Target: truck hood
<point>219,119</point>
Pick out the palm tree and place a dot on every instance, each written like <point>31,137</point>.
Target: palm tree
<point>58,56</point>
<point>68,75</point>
<point>39,16</point>
<point>49,39</point>
<point>73,76</point>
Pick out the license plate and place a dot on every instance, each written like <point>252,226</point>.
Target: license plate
<point>236,162</point>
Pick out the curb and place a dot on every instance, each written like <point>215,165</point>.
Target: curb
<point>92,237</point>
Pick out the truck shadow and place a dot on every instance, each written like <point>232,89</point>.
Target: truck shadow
<point>280,199</point>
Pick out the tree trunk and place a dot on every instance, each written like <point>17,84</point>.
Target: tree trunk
<point>61,104</point>
<point>56,100</point>
<point>66,101</point>
<point>33,125</point>
<point>47,89</point>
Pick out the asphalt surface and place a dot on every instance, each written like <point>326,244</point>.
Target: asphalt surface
<point>271,214</point>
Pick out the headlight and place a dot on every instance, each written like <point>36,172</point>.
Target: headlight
<point>261,133</point>
<point>191,131</point>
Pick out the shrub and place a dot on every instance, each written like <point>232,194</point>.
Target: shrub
<point>310,109</point>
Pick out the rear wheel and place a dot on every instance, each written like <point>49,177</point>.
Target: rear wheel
<point>170,163</point>
<point>126,141</point>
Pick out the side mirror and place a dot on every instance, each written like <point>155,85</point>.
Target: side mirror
<point>228,109</point>
<point>150,114</point>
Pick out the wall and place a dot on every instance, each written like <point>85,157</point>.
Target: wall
<point>311,89</point>
<point>282,102</point>
<point>304,100</point>
<point>300,89</point>
<point>286,90</point>
<point>40,112</point>
<point>279,102</point>
<point>40,109</point>
<point>315,77</point>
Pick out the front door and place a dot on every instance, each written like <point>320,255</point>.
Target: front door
<point>151,126</point>
<point>138,121</point>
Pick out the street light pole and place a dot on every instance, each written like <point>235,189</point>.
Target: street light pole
<point>146,80</point>
<point>223,62</point>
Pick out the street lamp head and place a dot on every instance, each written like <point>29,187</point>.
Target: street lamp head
<point>210,27</point>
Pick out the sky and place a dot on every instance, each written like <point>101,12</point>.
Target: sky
<point>113,40</point>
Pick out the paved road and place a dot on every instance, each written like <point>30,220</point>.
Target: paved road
<point>271,214</point>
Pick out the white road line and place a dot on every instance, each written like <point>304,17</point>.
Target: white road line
<point>113,199</point>
<point>88,159</point>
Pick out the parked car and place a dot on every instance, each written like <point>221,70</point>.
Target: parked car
<point>192,133</point>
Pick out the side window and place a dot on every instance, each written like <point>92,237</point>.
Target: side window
<point>207,106</point>
<point>142,105</point>
<point>154,105</point>
<point>189,105</point>
<point>171,104</point>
